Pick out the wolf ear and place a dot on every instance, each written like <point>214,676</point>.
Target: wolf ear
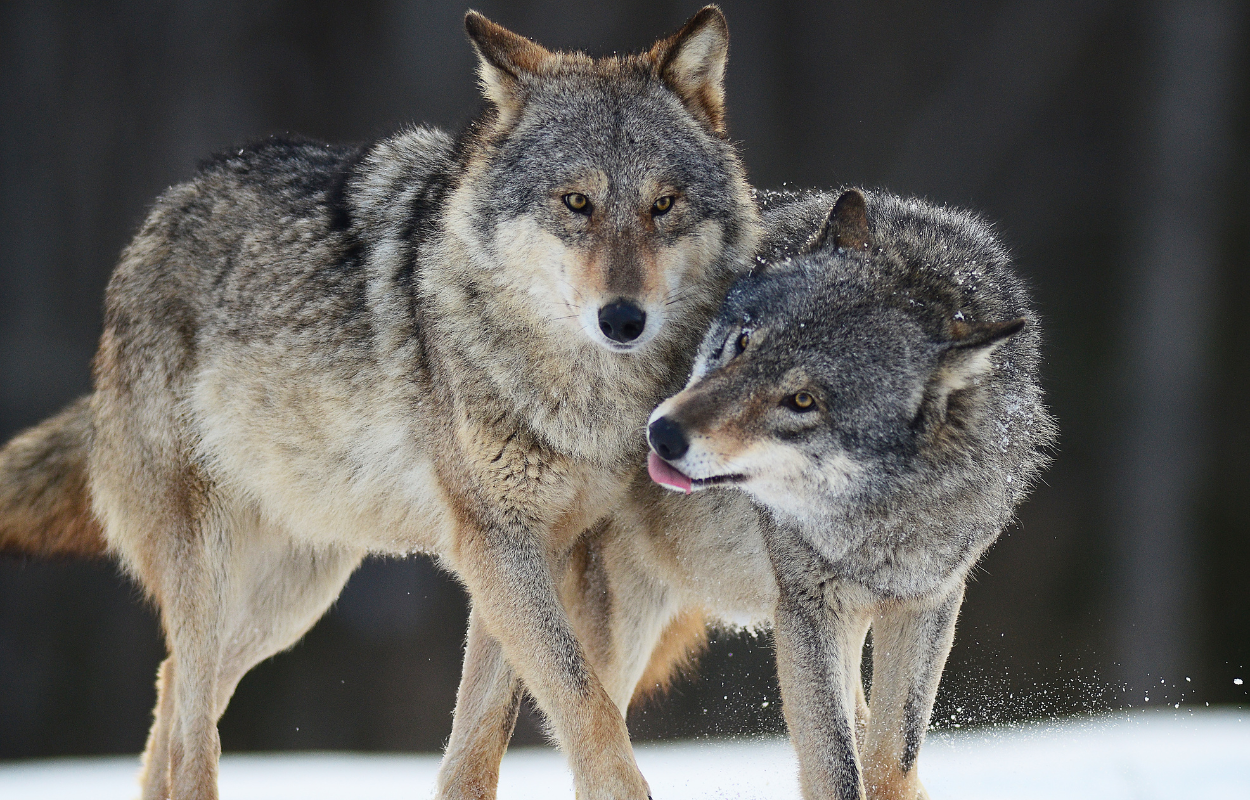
<point>692,63</point>
<point>966,357</point>
<point>847,224</point>
<point>503,58</point>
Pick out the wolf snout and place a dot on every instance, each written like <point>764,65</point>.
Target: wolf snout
<point>622,321</point>
<point>667,439</point>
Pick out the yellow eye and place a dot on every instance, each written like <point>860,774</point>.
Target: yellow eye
<point>578,203</point>
<point>662,205</point>
<point>743,341</point>
<point>802,401</point>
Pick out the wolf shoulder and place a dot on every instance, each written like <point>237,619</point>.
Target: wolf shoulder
<point>278,234</point>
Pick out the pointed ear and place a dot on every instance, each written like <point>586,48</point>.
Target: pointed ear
<point>965,359</point>
<point>968,354</point>
<point>504,58</point>
<point>846,225</point>
<point>979,335</point>
<point>692,63</point>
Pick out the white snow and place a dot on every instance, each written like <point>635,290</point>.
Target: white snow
<point>1161,754</point>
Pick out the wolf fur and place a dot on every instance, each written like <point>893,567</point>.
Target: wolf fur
<point>434,344</point>
<point>878,396</point>
<point>642,587</point>
<point>45,509</point>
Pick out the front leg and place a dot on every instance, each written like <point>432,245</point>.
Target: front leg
<point>508,573</point>
<point>617,615</point>
<point>911,640</point>
<point>819,674</point>
<point>820,627</point>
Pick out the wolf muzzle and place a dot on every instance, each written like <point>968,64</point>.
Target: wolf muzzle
<point>668,443</point>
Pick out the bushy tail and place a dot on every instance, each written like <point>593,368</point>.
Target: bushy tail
<point>45,507</point>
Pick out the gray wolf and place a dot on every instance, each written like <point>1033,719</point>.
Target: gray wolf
<point>642,586</point>
<point>877,394</point>
<point>429,343</point>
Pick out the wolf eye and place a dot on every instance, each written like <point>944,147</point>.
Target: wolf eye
<point>662,206</point>
<point>744,339</point>
<point>578,203</point>
<point>801,401</point>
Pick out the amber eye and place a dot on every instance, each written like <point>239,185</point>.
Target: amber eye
<point>578,203</point>
<point>801,401</point>
<point>662,206</point>
<point>743,340</point>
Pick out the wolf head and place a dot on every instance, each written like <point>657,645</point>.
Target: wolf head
<point>601,190</point>
<point>884,358</point>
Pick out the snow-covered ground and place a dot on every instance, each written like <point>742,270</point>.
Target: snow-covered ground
<point>1173,754</point>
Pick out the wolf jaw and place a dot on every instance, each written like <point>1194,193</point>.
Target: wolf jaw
<point>675,480</point>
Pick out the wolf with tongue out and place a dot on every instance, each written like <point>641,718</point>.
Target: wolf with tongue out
<point>878,396</point>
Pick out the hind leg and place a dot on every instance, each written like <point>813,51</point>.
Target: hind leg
<point>154,778</point>
<point>235,605</point>
<point>284,587</point>
<point>192,612</point>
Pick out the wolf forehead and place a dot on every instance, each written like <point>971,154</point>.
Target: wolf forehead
<point>637,133</point>
<point>938,268</point>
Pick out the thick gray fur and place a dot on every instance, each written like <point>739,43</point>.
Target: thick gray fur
<point>881,399</point>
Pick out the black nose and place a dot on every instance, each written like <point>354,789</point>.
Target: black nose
<point>622,321</point>
<point>667,440</point>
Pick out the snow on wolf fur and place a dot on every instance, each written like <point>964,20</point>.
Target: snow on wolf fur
<point>878,394</point>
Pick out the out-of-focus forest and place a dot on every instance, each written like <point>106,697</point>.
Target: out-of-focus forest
<point>1108,140</point>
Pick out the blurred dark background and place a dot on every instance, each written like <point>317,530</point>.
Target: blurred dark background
<point>1107,139</point>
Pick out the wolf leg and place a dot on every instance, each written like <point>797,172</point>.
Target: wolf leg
<point>818,667</point>
<point>487,703</point>
<point>154,778</point>
<point>910,643</point>
<point>615,617</point>
<point>279,588</point>
<point>243,592</point>
<point>509,576</point>
<point>192,616</point>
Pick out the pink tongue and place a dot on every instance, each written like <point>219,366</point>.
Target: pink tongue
<point>665,475</point>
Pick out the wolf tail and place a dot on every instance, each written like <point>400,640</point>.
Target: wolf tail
<point>45,505</point>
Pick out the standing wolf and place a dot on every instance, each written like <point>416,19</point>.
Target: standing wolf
<point>878,395</point>
<point>311,353</point>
